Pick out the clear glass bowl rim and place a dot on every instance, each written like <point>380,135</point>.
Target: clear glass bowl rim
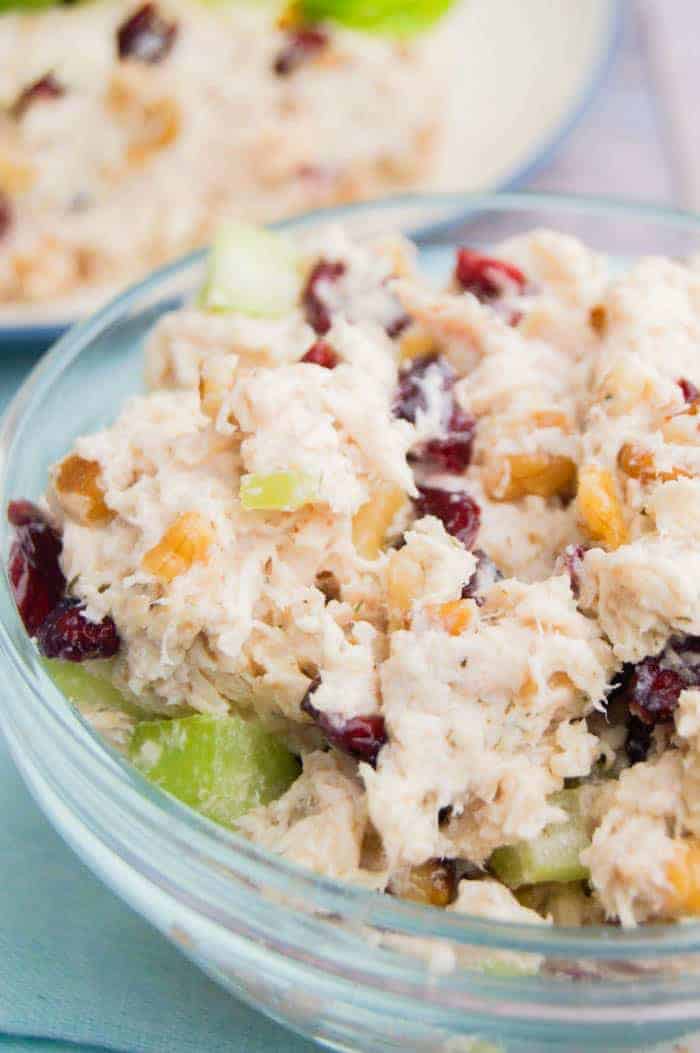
<point>183,827</point>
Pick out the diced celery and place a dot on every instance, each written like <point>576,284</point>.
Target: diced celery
<point>566,903</point>
<point>551,856</point>
<point>394,17</point>
<point>514,965</point>
<point>278,491</point>
<point>253,271</point>
<point>373,519</point>
<point>88,685</point>
<point>221,766</point>
<point>24,5</point>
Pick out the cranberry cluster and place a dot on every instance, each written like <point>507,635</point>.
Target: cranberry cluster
<point>315,310</point>
<point>651,689</point>
<point>690,391</point>
<point>492,281</point>
<point>571,561</point>
<point>146,36</point>
<point>303,44</point>
<point>487,278</point>
<point>39,587</point>
<point>425,377</point>
<point>35,573</point>
<point>396,328</point>
<point>485,575</point>
<point>453,452</point>
<point>321,354</point>
<point>416,379</point>
<point>45,88</point>
<point>359,737</point>
<point>5,214</point>
<point>459,512</point>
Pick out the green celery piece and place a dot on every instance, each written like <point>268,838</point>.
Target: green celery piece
<point>29,5</point>
<point>220,766</point>
<point>88,686</point>
<point>565,902</point>
<point>278,491</point>
<point>25,5</point>
<point>517,965</point>
<point>551,856</point>
<point>251,271</point>
<point>274,4</point>
<point>401,18</point>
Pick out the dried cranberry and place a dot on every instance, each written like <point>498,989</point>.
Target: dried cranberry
<point>652,687</point>
<point>417,379</point>
<point>320,180</point>
<point>302,45</point>
<point>23,512</point>
<point>146,36</point>
<point>327,583</point>
<point>453,452</point>
<point>638,740</point>
<point>459,513</point>
<point>315,173</point>
<point>45,88</point>
<point>487,278</point>
<point>69,635</point>
<point>359,737</point>
<point>321,354</point>
<point>317,313</point>
<point>485,575</point>
<point>6,214</point>
<point>686,649</point>
<point>34,570</point>
<point>690,392</point>
<point>571,560</point>
<point>432,883</point>
<point>397,327</point>
<point>653,692</point>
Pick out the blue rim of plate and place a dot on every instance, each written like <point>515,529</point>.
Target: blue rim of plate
<point>40,337</point>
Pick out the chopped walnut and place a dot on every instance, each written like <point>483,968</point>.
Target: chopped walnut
<point>433,883</point>
<point>80,492</point>
<point>684,878</point>
<point>404,581</point>
<point>598,319</point>
<point>152,122</point>
<point>372,521</point>
<point>17,174</point>
<point>185,542</point>
<point>599,507</point>
<point>415,342</point>
<point>520,474</point>
<point>455,615</point>
<point>638,463</point>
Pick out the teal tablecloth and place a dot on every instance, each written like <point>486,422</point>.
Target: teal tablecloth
<point>80,970</point>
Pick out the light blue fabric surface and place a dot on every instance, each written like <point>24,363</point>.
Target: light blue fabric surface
<point>80,970</point>
<point>9,1044</point>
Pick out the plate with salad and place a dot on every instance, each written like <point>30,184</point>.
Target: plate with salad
<point>129,130</point>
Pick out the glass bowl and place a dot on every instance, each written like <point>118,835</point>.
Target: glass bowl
<point>356,970</point>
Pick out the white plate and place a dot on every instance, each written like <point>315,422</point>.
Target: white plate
<point>528,70</point>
